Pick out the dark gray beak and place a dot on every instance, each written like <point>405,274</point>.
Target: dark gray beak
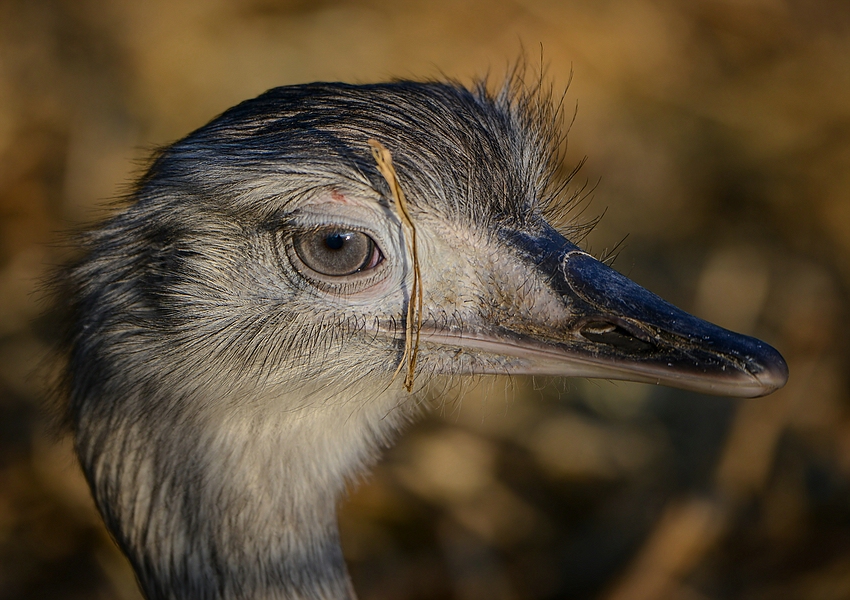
<point>638,336</point>
<point>618,330</point>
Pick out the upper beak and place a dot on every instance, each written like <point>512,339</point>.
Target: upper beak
<point>618,330</point>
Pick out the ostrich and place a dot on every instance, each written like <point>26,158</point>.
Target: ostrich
<point>253,327</point>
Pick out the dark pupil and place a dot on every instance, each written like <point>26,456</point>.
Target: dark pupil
<point>335,241</point>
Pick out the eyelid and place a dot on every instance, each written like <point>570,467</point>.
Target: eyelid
<point>305,220</point>
<point>295,229</point>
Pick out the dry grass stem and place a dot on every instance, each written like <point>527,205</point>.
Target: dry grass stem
<point>384,160</point>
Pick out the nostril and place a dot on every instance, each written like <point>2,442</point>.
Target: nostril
<point>611,334</point>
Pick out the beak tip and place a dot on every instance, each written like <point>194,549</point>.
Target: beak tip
<point>770,370</point>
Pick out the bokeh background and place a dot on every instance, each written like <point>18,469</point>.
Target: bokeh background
<point>718,141</point>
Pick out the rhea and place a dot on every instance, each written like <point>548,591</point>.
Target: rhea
<point>239,332</point>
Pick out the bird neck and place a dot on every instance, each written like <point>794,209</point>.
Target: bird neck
<point>239,502</point>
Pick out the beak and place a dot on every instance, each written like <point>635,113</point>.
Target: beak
<point>615,329</point>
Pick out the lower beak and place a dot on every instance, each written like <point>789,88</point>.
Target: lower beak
<point>618,330</point>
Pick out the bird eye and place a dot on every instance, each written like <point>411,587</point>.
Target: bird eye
<point>337,252</point>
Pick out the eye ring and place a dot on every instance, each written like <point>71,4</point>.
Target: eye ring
<point>336,259</point>
<point>337,252</point>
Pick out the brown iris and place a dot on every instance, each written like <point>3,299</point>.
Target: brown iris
<point>337,252</point>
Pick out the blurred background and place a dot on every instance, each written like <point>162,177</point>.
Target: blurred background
<point>718,140</point>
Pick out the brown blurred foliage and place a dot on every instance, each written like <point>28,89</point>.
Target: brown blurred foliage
<point>719,132</point>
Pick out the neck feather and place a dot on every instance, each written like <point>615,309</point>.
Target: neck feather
<point>236,502</point>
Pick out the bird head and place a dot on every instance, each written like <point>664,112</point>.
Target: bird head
<point>271,251</point>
